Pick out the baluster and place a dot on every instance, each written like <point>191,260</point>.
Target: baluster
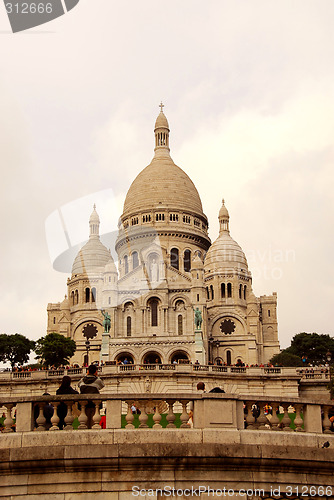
<point>40,420</point>
<point>326,424</point>
<point>286,419</point>
<point>298,419</point>
<point>250,419</point>
<point>83,419</point>
<point>143,416</point>
<point>184,415</point>
<point>96,417</point>
<point>55,419</point>
<point>157,417</point>
<point>8,423</point>
<point>274,421</point>
<point>129,416</point>
<point>170,417</point>
<point>262,420</point>
<point>69,419</point>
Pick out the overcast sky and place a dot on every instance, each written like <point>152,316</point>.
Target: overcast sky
<point>248,90</point>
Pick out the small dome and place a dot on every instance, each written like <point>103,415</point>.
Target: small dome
<point>161,121</point>
<point>94,216</point>
<point>65,304</point>
<point>225,253</point>
<point>197,262</point>
<point>92,256</point>
<point>110,267</point>
<point>223,212</point>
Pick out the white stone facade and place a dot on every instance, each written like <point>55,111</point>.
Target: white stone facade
<point>168,268</point>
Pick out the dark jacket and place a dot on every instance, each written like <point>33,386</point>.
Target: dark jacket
<point>90,384</point>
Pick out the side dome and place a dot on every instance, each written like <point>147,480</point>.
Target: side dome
<point>224,253</point>
<point>93,255</point>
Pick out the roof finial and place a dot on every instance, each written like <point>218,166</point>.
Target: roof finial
<point>94,206</point>
<point>223,201</point>
<point>161,106</point>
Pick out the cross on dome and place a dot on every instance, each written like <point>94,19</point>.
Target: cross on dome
<point>161,107</point>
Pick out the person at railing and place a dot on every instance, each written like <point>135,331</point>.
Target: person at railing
<point>91,383</point>
<point>64,388</point>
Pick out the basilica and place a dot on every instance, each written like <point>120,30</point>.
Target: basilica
<point>175,297</point>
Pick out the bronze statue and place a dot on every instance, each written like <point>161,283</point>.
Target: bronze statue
<point>198,318</point>
<point>106,322</point>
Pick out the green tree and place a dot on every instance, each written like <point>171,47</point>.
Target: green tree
<point>15,348</point>
<point>310,348</point>
<point>55,349</point>
<point>286,359</point>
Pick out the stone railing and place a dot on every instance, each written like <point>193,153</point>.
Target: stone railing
<point>157,411</point>
<point>182,368</point>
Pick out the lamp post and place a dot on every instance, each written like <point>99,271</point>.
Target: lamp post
<point>212,343</point>
<point>87,350</point>
<point>329,359</point>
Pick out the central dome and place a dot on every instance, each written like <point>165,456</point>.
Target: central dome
<point>162,184</point>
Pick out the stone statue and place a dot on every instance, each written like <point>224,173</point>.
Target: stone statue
<point>198,318</point>
<point>106,322</point>
<point>154,271</point>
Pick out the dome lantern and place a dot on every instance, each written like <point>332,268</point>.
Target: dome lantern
<point>161,131</point>
<point>223,218</point>
<point>94,224</point>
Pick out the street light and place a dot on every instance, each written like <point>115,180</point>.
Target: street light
<point>212,343</point>
<point>329,359</point>
<point>87,350</point>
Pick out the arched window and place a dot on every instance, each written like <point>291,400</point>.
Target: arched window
<point>174,258</point>
<point>154,312</point>
<point>87,294</point>
<point>135,260</point>
<point>54,319</point>
<point>76,297</point>
<point>223,292</point>
<point>229,290</point>
<point>126,264</point>
<point>93,294</point>
<point>207,293</point>
<point>240,291</point>
<point>245,291</point>
<point>212,293</point>
<point>109,300</point>
<point>180,324</point>
<point>128,326</point>
<point>228,357</point>
<point>187,260</point>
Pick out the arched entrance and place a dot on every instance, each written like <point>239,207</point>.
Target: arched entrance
<point>179,357</point>
<point>124,358</point>
<point>228,358</point>
<point>152,358</point>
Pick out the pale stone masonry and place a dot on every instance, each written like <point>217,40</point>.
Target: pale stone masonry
<point>167,268</point>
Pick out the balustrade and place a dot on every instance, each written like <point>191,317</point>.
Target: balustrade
<point>145,411</point>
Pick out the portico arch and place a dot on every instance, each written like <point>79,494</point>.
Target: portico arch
<point>151,357</point>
